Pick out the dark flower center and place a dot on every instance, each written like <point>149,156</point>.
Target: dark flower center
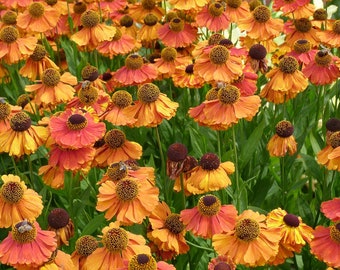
<point>212,94</point>
<point>20,122</point>
<point>173,224</point>
<point>148,4</point>
<point>90,19</point>
<point>302,46</point>
<point>234,3</point>
<point>291,220</point>
<point>89,73</point>
<point>335,232</point>
<point>169,54</point>
<point>216,9</point>
<point>134,61</point>
<point>323,58</point>
<point>76,122</point>
<point>222,266</point>
<point>10,17</point>
<point>115,240</point>
<point>58,218</point>
<point>142,262</point>
<point>177,152</point>
<point>229,94</point>
<point>176,24</point>
<point>22,101</point>
<point>51,2</point>
<point>5,110</point>
<point>209,162</point>
<point>126,21</point>
<point>79,7</point>
<point>247,229</point>
<point>335,139</point>
<point>336,27</point>
<point>209,205</point>
<point>126,189</point>
<point>117,171</point>
<point>215,38</point>
<point>150,19</point>
<point>9,34</point>
<point>88,94</point>
<point>189,69</point>
<point>320,14</point>
<point>219,55</point>
<point>284,129</point>
<point>85,245</point>
<point>121,98</point>
<point>303,25</point>
<point>288,64</point>
<point>12,192</point>
<point>36,10</point>
<point>333,124</point>
<point>261,14</point>
<point>257,52</point>
<point>50,77</point>
<point>148,93</point>
<point>115,138</point>
<point>39,53</point>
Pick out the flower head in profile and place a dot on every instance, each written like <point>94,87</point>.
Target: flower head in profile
<point>283,141</point>
<point>148,34</point>
<point>116,148</point>
<point>167,231</point>
<point>152,106</point>
<point>119,245</point>
<point>286,81</point>
<point>210,175</point>
<point>177,153</point>
<point>143,261</point>
<point>34,245</point>
<point>23,137</point>
<point>251,242</point>
<point>76,129</point>
<point>17,202</point>
<point>303,52</point>
<point>85,245</point>
<point>326,244</point>
<point>331,37</point>
<point>257,58</point>
<point>213,16</point>
<point>295,8</point>
<point>59,221</point>
<point>237,9</point>
<point>221,262</point>
<point>188,4</point>
<point>331,209</point>
<point>130,200</point>
<point>139,9</point>
<point>184,76</point>
<point>6,112</point>
<point>209,217</point>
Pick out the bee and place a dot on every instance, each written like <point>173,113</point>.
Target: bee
<point>3,100</point>
<point>24,226</point>
<point>85,85</point>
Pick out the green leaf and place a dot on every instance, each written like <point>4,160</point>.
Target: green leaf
<point>94,224</point>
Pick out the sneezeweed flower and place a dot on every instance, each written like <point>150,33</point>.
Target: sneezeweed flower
<point>283,141</point>
<point>93,31</point>
<point>295,233</point>
<point>210,175</point>
<point>116,148</point>
<point>177,33</point>
<point>218,65</point>
<point>23,137</point>
<point>237,9</point>
<point>37,63</point>
<point>221,262</point>
<point>148,33</point>
<point>152,106</point>
<point>294,8</point>
<point>213,16</point>
<point>247,82</point>
<point>333,158</point>
<point>17,202</point>
<point>251,243</point>
<point>85,245</point>
<point>6,112</point>
<point>14,48</point>
<point>322,69</point>
<point>60,222</point>
<point>75,129</point>
<point>209,217</point>
<point>331,37</point>
<point>135,71</point>
<point>176,155</point>
<point>260,24</point>
<point>286,81</point>
<point>326,243</point>
<point>27,245</point>
<point>143,261</point>
<point>38,18</point>
<point>300,29</point>
<point>58,260</point>
<point>53,88</point>
<point>189,163</point>
<point>331,209</point>
<point>167,232</point>
<point>130,200</point>
<point>303,52</point>
<point>184,76</point>
<point>188,4</point>
<point>52,176</point>
<point>140,9</point>
<point>115,112</point>
<point>118,245</point>
<point>257,58</point>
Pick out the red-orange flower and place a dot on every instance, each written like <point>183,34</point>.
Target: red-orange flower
<point>221,262</point>
<point>213,16</point>
<point>75,129</point>
<point>209,217</point>
<point>331,209</point>
<point>85,245</point>
<point>188,4</point>
<point>303,52</point>
<point>297,8</point>
<point>6,112</point>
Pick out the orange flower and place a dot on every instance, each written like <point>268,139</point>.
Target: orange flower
<point>237,9</point>
<point>296,8</point>
<point>210,175</point>
<point>322,69</point>
<point>52,176</point>
<point>38,17</point>
<point>326,244</point>
<point>213,16</point>
<point>260,25</point>
<point>116,148</point>
<point>331,37</point>
<point>22,138</point>
<point>188,4</point>
<point>148,33</point>
<point>209,217</point>
<point>6,112</point>
<point>27,245</point>
<point>130,200</point>
<point>118,245</point>
<point>303,52</point>
<point>58,260</point>
<point>17,202</point>
<point>283,141</point>
<point>330,156</point>
<point>167,231</point>
<point>251,242</point>
<point>286,81</point>
<point>217,64</point>
<point>12,47</point>
<point>295,233</point>
<point>115,113</point>
<point>59,222</point>
<point>177,33</point>
<point>221,262</point>
<point>144,7</point>
<point>93,32</point>
<point>145,261</point>
<point>54,88</point>
<point>85,245</point>
<point>135,71</point>
<point>331,209</point>
<point>37,63</point>
<point>16,3</point>
<point>151,107</point>
<point>75,129</point>
<point>185,77</point>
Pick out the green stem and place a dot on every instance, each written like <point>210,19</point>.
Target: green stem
<point>15,166</point>
<point>219,151</point>
<point>163,164</point>
<point>237,184</point>
<point>200,247</point>
<point>182,191</point>
<point>283,180</point>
